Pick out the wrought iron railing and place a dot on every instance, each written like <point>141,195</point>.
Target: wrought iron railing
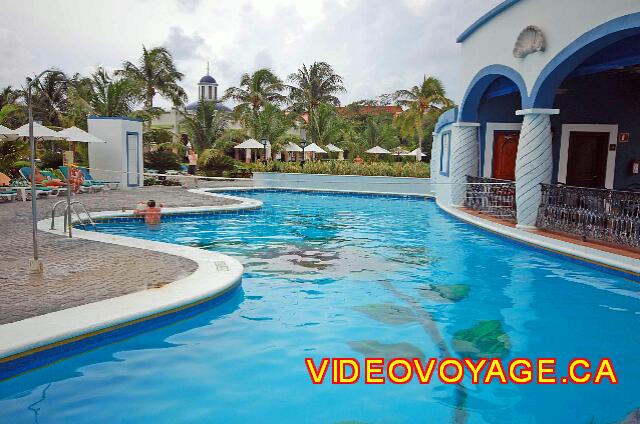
<point>492,196</point>
<point>596,214</point>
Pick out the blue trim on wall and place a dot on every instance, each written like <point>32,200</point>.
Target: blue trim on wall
<point>447,133</point>
<point>447,117</point>
<point>480,83</point>
<point>122,118</point>
<point>137,157</point>
<point>485,18</point>
<point>544,90</point>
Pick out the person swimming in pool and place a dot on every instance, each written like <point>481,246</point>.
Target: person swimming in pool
<point>151,213</point>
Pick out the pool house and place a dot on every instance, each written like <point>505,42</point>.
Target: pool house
<point>547,133</point>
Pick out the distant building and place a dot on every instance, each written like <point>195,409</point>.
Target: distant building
<point>369,110</point>
<point>207,91</point>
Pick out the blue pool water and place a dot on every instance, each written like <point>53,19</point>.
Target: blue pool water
<point>351,276</point>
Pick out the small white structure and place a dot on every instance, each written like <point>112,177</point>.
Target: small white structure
<point>335,149</point>
<point>121,157</point>
<point>377,150</point>
<point>248,146</point>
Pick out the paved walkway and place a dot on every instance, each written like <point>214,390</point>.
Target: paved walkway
<point>82,271</point>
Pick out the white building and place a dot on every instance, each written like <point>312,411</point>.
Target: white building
<point>551,96</point>
<point>207,91</point>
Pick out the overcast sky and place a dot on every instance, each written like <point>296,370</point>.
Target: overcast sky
<point>377,46</point>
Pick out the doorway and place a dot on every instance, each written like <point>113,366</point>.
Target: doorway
<point>587,159</point>
<point>505,150</point>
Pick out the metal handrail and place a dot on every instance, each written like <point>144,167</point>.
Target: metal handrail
<point>70,208</point>
<point>53,213</point>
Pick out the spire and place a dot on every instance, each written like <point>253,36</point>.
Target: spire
<point>208,67</point>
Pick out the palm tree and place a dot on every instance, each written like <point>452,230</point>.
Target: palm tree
<point>49,99</point>
<point>157,74</point>
<point>256,90</point>
<point>206,126</point>
<point>309,87</point>
<point>270,123</point>
<point>424,103</point>
<point>323,126</point>
<point>108,96</point>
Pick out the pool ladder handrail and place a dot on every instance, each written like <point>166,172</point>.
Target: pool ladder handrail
<point>70,207</point>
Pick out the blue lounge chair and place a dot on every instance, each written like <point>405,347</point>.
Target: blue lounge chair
<point>25,172</point>
<point>89,177</point>
<point>86,185</point>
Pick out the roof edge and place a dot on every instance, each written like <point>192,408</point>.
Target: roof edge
<point>486,18</point>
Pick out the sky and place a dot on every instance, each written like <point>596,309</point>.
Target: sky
<point>377,46</point>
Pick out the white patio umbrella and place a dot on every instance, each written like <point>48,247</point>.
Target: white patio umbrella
<point>292,147</point>
<point>414,152</point>
<point>8,133</point>
<point>39,131</point>
<point>399,151</point>
<point>249,145</point>
<point>335,149</point>
<point>79,135</point>
<point>314,148</point>
<point>377,150</point>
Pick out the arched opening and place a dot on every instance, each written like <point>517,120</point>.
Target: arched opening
<point>595,83</point>
<point>492,100</point>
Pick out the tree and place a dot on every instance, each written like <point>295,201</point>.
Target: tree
<point>109,96</point>
<point>424,103</point>
<point>156,73</point>
<point>309,87</point>
<point>324,125</point>
<point>256,90</point>
<point>49,99</point>
<point>12,151</point>
<point>206,126</point>
<point>270,123</point>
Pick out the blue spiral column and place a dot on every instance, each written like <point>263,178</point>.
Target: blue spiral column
<point>534,163</point>
<point>465,151</point>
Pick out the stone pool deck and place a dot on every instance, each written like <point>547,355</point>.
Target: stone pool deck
<point>79,271</point>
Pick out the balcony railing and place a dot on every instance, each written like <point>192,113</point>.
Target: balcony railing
<point>596,214</point>
<point>492,196</point>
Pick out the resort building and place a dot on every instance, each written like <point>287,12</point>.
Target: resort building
<point>207,91</point>
<point>550,113</point>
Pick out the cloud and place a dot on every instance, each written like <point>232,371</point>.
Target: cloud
<point>184,47</point>
<point>189,5</point>
<point>378,46</point>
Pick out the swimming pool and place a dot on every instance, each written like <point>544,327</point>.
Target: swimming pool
<point>351,276</point>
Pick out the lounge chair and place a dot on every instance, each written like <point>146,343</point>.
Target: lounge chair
<point>42,190</point>
<point>88,177</point>
<point>24,190</point>
<point>86,185</point>
<point>8,194</point>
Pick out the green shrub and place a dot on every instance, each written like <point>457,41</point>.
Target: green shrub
<point>213,163</point>
<point>51,160</point>
<point>162,161</point>
<point>337,167</point>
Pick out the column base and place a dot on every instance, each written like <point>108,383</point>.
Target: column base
<point>526,227</point>
<point>35,266</point>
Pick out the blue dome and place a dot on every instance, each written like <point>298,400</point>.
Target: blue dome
<point>207,79</point>
<point>219,106</point>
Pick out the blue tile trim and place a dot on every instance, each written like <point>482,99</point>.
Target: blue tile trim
<point>122,118</point>
<point>58,352</point>
<point>485,18</point>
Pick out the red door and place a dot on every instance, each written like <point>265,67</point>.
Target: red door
<point>587,162</point>
<point>505,149</point>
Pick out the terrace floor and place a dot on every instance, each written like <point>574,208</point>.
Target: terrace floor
<point>82,271</point>
<point>605,247</point>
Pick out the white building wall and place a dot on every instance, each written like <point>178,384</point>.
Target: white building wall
<point>108,161</point>
<point>561,21</point>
